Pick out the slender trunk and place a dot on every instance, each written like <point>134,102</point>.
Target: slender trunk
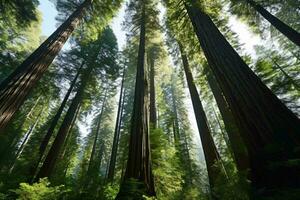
<point>15,89</point>
<point>269,129</point>
<point>12,140</point>
<point>174,133</point>
<point>69,137</point>
<point>139,159</point>
<point>236,143</point>
<point>224,137</point>
<point>113,157</point>
<point>291,80</point>
<point>91,166</point>
<point>285,29</point>
<point>153,117</point>
<point>175,113</point>
<point>27,137</point>
<point>53,124</point>
<point>210,151</point>
<point>189,160</point>
<point>53,154</point>
<point>100,157</point>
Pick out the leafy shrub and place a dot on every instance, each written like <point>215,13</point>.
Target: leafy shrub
<point>39,191</point>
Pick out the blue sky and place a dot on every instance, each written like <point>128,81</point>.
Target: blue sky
<point>49,13</point>
<point>49,23</point>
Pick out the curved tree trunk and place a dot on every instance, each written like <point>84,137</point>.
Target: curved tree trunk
<point>113,157</point>
<point>53,154</point>
<point>285,29</point>
<point>139,159</point>
<point>15,89</point>
<point>210,151</point>
<point>269,129</point>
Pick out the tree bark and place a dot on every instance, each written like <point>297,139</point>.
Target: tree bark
<point>285,29</point>
<point>113,157</point>
<point>15,89</point>
<point>269,129</point>
<point>53,124</point>
<point>53,154</point>
<point>139,159</point>
<point>236,143</point>
<point>210,151</point>
<point>153,116</point>
<point>69,137</point>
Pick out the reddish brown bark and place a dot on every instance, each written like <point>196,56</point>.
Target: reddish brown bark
<point>113,157</point>
<point>139,159</point>
<point>54,123</point>
<point>269,129</point>
<point>54,152</point>
<point>210,151</point>
<point>153,116</point>
<point>15,89</point>
<point>236,143</point>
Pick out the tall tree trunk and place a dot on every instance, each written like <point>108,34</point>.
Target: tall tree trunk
<point>53,154</point>
<point>188,159</point>
<point>69,137</point>
<point>210,151</point>
<point>236,143</point>
<point>285,29</point>
<point>27,137</point>
<point>139,159</point>
<point>113,157</point>
<point>153,117</point>
<point>92,164</point>
<point>291,80</point>
<point>175,113</point>
<point>15,89</point>
<point>269,129</point>
<point>53,124</point>
<point>12,140</point>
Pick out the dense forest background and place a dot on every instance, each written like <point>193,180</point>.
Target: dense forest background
<point>100,121</point>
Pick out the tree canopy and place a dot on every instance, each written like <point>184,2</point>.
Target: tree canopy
<point>180,112</point>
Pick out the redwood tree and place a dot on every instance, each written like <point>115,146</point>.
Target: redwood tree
<point>16,87</point>
<point>138,170</point>
<point>269,129</point>
<point>285,29</point>
<point>236,143</point>
<point>210,151</point>
<point>54,152</point>
<point>113,157</point>
<point>54,123</point>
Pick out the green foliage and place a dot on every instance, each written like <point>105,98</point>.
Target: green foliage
<point>232,184</point>
<point>110,191</point>
<point>166,168</point>
<point>177,165</point>
<point>132,189</point>
<point>95,20</point>
<point>39,191</point>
